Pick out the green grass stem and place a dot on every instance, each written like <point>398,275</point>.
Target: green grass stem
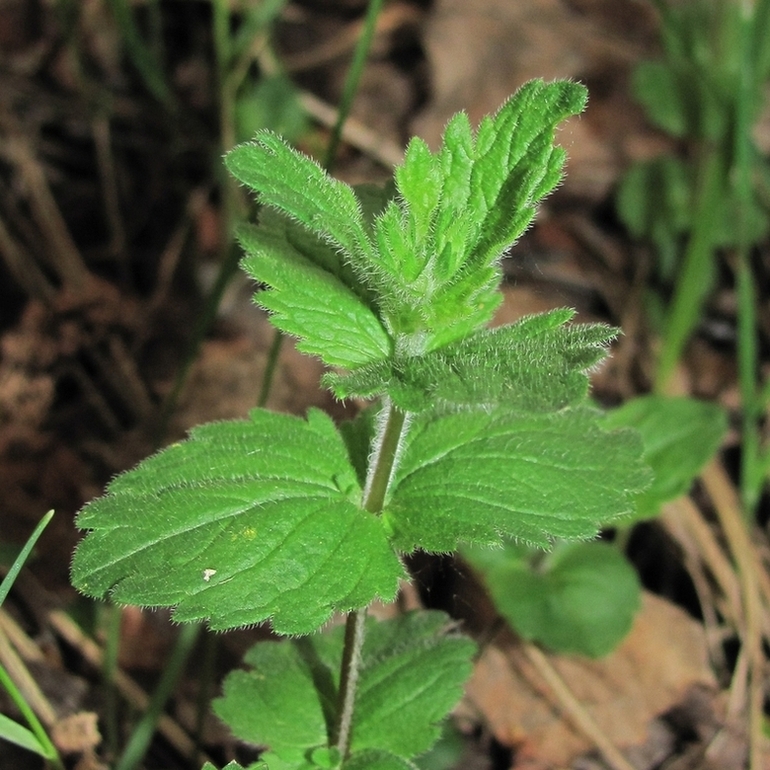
<point>696,277</point>
<point>142,55</point>
<point>139,742</point>
<point>45,747</point>
<point>19,561</point>
<point>111,620</point>
<point>753,459</point>
<point>38,740</point>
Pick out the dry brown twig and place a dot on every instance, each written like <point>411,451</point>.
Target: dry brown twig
<point>65,258</point>
<point>748,680</point>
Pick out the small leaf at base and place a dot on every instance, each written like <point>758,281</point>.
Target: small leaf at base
<point>581,598</point>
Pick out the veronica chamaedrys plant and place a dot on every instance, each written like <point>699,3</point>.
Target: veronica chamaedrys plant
<point>475,434</point>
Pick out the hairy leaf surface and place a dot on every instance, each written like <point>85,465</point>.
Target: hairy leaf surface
<point>536,364</point>
<point>293,183</point>
<point>412,674</point>
<point>474,476</point>
<point>425,269</point>
<point>458,210</point>
<point>310,302</point>
<point>245,521</point>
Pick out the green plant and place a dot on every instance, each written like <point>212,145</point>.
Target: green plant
<point>708,91</point>
<point>34,738</point>
<point>477,434</point>
<point>583,597</point>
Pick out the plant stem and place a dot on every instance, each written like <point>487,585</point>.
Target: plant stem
<point>354,76</point>
<point>349,671</point>
<point>384,460</point>
<point>752,470</point>
<point>272,361</point>
<point>140,739</point>
<point>696,278</point>
<point>232,210</point>
<point>48,749</point>
<point>380,474</point>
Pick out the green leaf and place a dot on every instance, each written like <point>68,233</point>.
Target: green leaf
<point>581,598</point>
<point>412,673</point>
<point>311,303</point>
<point>270,102</point>
<point>276,703</point>
<point>244,521</point>
<point>19,735</point>
<point>446,752</point>
<point>296,185</point>
<point>656,86</point>
<point>654,201</point>
<point>536,364</point>
<point>680,436</point>
<point>22,556</point>
<point>235,766</point>
<point>474,476</point>
<point>458,210</point>
<point>433,277</point>
<point>377,760</point>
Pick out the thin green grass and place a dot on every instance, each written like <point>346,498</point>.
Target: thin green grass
<point>35,738</point>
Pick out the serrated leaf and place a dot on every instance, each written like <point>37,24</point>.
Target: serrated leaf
<point>311,303</point>
<point>580,598</point>
<point>411,675</point>
<point>458,210</point>
<point>536,364</point>
<point>276,704</point>
<point>294,184</point>
<point>680,436</point>
<point>433,277</point>
<point>245,521</point>
<point>472,477</point>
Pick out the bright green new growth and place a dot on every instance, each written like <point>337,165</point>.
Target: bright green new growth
<point>482,434</point>
<point>424,272</point>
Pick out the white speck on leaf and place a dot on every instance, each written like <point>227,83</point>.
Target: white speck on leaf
<point>207,574</point>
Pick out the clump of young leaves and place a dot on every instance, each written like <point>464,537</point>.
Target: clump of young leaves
<point>479,434</point>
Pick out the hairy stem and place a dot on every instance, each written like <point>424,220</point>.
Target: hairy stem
<point>384,459</point>
<point>380,474</point>
<point>351,666</point>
